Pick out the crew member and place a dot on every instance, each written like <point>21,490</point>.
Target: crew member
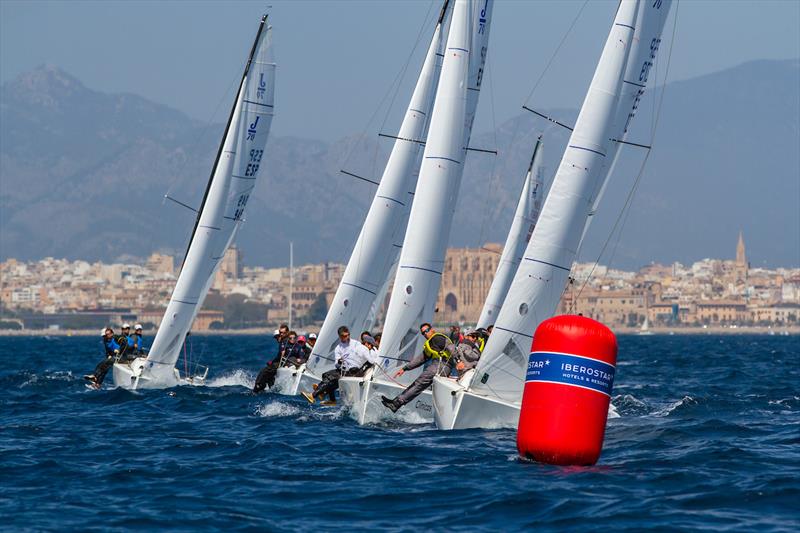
<point>436,352</point>
<point>311,342</point>
<point>125,341</point>
<point>111,349</point>
<point>352,359</point>
<point>377,337</point>
<point>266,378</point>
<point>295,351</point>
<point>138,340</point>
<point>467,353</point>
<point>455,335</point>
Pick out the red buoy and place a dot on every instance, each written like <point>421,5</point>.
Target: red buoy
<point>567,391</point>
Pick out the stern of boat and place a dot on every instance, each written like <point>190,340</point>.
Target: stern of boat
<point>287,380</point>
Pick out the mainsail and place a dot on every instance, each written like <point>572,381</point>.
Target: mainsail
<point>421,261</point>
<point>365,278</point>
<point>543,274</point>
<point>234,175</point>
<point>530,203</point>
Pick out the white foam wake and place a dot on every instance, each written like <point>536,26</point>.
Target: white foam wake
<point>277,410</point>
<point>238,377</point>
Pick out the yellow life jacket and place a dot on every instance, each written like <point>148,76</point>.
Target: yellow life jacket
<point>434,354</point>
<point>481,343</point>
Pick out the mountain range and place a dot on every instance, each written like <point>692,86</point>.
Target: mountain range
<point>83,174</point>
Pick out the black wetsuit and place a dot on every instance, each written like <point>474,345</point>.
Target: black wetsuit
<point>266,378</point>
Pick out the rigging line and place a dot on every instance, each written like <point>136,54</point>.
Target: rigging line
<point>555,53</point>
<point>639,176</point>
<point>205,128</point>
<point>394,82</point>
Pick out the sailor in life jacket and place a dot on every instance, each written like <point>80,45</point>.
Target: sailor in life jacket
<point>468,352</point>
<point>437,352</point>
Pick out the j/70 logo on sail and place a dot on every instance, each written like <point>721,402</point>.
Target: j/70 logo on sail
<point>262,86</point>
<point>251,132</point>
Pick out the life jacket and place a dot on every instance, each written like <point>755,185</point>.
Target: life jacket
<point>431,352</point>
<point>480,344</point>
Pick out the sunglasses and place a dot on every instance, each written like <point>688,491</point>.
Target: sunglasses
<point>424,331</point>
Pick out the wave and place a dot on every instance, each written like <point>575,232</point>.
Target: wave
<point>31,379</point>
<point>277,410</point>
<point>674,406</point>
<point>238,377</point>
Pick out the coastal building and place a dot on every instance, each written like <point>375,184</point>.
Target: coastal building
<point>466,279</point>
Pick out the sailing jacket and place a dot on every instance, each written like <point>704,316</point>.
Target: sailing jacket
<point>468,353</point>
<point>439,344</point>
<point>352,354</point>
<point>294,354</point>
<point>110,346</point>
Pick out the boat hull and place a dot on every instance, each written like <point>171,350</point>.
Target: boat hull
<point>455,407</point>
<point>133,376</point>
<point>362,395</point>
<point>291,381</point>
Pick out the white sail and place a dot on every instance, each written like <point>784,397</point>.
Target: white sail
<point>233,178</point>
<point>375,253</point>
<point>421,261</point>
<point>530,203</point>
<point>544,271</point>
<point>650,21</point>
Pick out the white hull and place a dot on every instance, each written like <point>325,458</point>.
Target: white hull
<point>131,376</point>
<point>362,396</point>
<point>457,408</point>
<point>291,381</point>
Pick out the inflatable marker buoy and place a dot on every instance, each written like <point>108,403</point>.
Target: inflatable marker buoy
<point>567,391</point>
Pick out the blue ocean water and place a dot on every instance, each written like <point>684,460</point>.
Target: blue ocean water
<point>708,438</point>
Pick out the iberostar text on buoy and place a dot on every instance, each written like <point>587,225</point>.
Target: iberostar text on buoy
<point>567,391</point>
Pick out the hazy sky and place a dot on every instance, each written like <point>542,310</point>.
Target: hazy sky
<point>337,60</point>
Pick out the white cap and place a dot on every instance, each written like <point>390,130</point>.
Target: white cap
<point>126,325</point>
<point>276,332</point>
<point>312,335</point>
<point>137,326</point>
<point>103,332</point>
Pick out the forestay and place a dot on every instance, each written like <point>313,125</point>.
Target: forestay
<point>376,250</point>
<point>422,258</point>
<point>235,171</point>
<point>530,203</point>
<point>544,271</point>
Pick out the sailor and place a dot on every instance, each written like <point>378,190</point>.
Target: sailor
<point>266,378</point>
<point>467,353</point>
<point>437,353</point>
<point>377,337</point>
<point>311,342</point>
<point>483,337</point>
<point>455,335</point>
<point>295,353</point>
<point>125,341</point>
<point>489,328</point>
<point>138,340</point>
<point>363,335</point>
<point>352,359</point>
<point>371,345</point>
<point>111,350</point>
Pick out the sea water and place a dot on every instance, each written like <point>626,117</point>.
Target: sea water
<point>708,438</point>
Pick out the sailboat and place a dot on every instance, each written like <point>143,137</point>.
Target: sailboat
<point>421,261</point>
<point>490,396</point>
<point>366,276</point>
<point>233,177</point>
<point>525,217</point>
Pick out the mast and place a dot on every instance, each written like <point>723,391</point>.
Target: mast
<point>518,236</point>
<point>291,280</point>
<point>261,26</point>
<point>235,173</point>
